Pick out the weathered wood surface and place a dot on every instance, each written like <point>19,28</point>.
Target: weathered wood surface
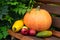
<point>49,1</point>
<point>56,22</point>
<point>50,38</point>
<point>22,37</point>
<point>51,9</point>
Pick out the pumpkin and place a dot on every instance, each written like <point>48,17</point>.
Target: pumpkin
<point>38,19</point>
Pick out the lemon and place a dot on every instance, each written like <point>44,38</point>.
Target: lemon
<point>17,25</point>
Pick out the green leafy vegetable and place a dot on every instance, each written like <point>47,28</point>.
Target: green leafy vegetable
<point>11,10</point>
<point>1,35</point>
<point>3,32</point>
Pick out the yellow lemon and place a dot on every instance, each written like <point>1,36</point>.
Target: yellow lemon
<point>17,25</point>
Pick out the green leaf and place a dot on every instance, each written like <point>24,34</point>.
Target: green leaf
<point>52,28</point>
<point>16,9</point>
<point>8,18</point>
<point>25,1</point>
<point>3,11</point>
<point>3,28</point>
<point>30,1</point>
<point>1,16</point>
<point>53,14</point>
<point>12,3</point>
<point>28,9</point>
<point>21,5</point>
<point>1,36</point>
<point>4,31</point>
<point>24,11</point>
<point>20,11</point>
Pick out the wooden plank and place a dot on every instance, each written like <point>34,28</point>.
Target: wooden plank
<point>49,1</point>
<point>24,37</point>
<point>51,9</point>
<point>56,22</point>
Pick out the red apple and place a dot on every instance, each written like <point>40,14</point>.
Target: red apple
<point>32,32</point>
<point>24,31</point>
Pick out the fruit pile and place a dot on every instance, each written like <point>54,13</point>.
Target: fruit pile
<point>35,23</point>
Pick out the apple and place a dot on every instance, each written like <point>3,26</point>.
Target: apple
<point>24,30</point>
<point>24,27</point>
<point>32,32</point>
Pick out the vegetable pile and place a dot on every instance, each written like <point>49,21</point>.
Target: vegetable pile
<point>35,22</point>
<point>21,17</point>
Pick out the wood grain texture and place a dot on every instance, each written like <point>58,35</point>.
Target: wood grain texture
<point>51,9</point>
<point>49,1</point>
<point>56,22</point>
<point>20,37</point>
<point>56,33</point>
<point>52,38</point>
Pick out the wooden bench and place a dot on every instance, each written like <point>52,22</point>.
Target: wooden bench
<point>54,8</point>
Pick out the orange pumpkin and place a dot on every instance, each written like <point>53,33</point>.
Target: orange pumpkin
<point>38,19</point>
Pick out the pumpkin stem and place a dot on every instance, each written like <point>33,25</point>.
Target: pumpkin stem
<point>38,8</point>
